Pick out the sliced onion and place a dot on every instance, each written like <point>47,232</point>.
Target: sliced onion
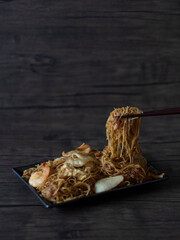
<point>108,183</point>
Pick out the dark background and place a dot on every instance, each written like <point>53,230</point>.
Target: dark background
<point>64,66</point>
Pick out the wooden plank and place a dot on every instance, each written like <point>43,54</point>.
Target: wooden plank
<point>132,55</point>
<point>93,221</point>
<point>50,131</point>
<point>84,97</point>
<point>93,7</point>
<point>40,150</point>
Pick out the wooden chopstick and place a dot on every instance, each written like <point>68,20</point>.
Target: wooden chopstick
<point>155,113</point>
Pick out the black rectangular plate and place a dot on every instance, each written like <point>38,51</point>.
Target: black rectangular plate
<point>19,172</point>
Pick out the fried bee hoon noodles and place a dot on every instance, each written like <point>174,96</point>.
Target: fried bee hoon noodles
<point>85,171</point>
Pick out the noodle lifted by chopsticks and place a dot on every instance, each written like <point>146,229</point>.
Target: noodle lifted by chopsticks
<point>75,173</point>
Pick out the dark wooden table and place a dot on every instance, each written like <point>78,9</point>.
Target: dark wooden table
<point>64,65</point>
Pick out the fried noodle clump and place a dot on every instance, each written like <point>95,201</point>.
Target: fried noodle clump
<point>76,172</point>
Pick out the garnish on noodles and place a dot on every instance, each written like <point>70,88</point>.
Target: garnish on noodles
<point>85,171</point>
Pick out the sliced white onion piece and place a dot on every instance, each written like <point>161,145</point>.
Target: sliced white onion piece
<point>108,183</point>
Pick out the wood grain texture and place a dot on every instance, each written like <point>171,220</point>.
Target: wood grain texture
<point>89,222</point>
<point>64,65</point>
